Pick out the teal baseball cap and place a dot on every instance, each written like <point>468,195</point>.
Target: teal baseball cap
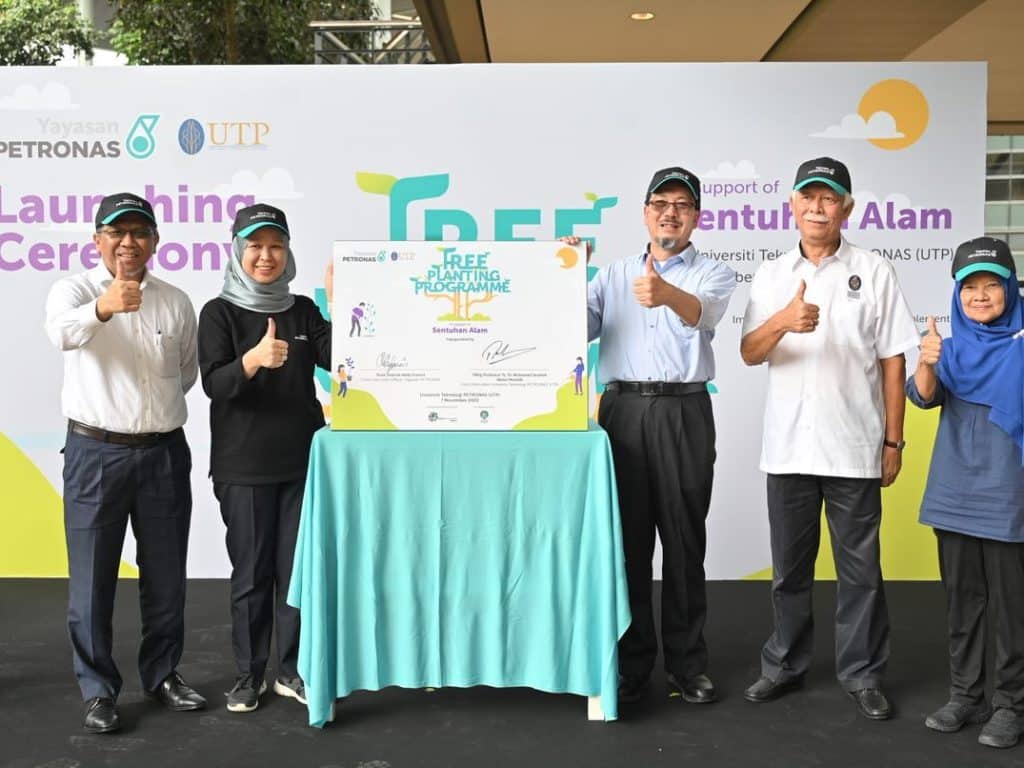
<point>824,170</point>
<point>679,175</point>
<point>248,220</point>
<point>983,254</point>
<point>113,206</point>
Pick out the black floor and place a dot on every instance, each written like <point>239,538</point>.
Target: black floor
<point>40,707</point>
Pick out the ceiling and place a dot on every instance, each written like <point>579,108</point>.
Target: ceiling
<point>742,30</point>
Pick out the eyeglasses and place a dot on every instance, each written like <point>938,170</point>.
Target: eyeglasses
<point>139,233</point>
<point>680,206</point>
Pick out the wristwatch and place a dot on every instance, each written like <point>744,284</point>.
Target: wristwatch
<point>899,446</point>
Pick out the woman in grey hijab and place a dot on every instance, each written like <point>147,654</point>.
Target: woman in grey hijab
<point>258,347</point>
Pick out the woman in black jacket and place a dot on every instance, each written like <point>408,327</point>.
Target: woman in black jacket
<point>258,348</point>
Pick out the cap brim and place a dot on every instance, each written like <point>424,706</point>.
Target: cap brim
<point>822,180</point>
<point>121,212</point>
<point>253,227</point>
<point>689,186</point>
<point>970,269</point>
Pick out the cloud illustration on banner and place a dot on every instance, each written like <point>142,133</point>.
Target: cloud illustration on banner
<point>744,169</point>
<point>52,97</point>
<point>275,184</point>
<point>892,114</point>
<point>880,125</point>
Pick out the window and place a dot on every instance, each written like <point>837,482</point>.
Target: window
<point>1004,193</point>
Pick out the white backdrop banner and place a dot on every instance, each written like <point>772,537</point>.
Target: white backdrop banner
<point>474,152</point>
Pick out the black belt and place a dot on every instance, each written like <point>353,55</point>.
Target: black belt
<point>652,388</point>
<point>143,440</point>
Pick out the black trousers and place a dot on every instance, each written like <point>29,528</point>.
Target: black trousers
<point>853,508</point>
<point>262,526</point>
<point>105,486</point>
<point>664,452</point>
<point>984,579</point>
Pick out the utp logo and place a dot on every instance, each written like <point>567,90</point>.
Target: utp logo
<point>191,136</point>
<point>194,135</point>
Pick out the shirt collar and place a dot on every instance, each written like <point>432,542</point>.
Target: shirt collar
<point>100,277</point>
<point>842,254</point>
<point>684,257</point>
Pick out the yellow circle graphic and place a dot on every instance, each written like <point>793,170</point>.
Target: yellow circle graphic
<point>568,256</point>
<point>907,105</point>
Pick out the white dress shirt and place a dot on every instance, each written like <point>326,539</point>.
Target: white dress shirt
<point>129,374</point>
<point>824,411</point>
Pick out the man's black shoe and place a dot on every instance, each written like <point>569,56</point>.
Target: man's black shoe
<point>696,690</point>
<point>632,687</point>
<point>871,703</point>
<point>766,689</point>
<point>175,694</point>
<point>101,715</point>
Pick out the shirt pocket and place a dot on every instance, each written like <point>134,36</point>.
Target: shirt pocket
<point>677,327</point>
<point>851,323</point>
<point>168,355</point>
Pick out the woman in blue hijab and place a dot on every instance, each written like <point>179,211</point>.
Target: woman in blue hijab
<point>975,494</point>
<point>258,347</point>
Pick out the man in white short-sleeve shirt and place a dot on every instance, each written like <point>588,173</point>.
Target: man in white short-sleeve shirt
<point>129,345</point>
<point>830,321</point>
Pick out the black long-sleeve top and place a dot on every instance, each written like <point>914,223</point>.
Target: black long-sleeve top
<point>261,428</point>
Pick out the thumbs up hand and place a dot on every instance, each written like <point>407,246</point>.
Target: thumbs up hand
<point>329,285</point>
<point>800,316</point>
<point>931,344</point>
<point>122,295</point>
<point>271,352</point>
<point>650,289</point>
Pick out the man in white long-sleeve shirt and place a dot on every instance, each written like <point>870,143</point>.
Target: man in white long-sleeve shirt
<point>129,344</point>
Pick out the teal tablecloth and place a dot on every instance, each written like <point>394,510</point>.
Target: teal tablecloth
<point>431,559</point>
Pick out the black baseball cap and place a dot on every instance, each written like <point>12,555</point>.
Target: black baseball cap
<point>248,220</point>
<point>983,254</point>
<point>824,170</point>
<point>113,206</point>
<point>680,175</point>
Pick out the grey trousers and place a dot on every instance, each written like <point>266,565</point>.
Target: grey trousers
<point>853,509</point>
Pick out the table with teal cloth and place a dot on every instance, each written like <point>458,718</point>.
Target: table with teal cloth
<point>432,559</point>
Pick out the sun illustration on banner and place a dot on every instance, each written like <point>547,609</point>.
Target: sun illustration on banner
<point>568,256</point>
<point>907,105</point>
<point>892,114</point>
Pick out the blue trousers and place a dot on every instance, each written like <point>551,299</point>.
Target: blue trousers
<point>105,486</point>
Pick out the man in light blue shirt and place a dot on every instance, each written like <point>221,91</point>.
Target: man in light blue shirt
<point>655,313</point>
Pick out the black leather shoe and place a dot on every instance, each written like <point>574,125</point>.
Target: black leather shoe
<point>175,694</point>
<point>766,689</point>
<point>101,715</point>
<point>632,687</point>
<point>871,703</point>
<point>696,690</point>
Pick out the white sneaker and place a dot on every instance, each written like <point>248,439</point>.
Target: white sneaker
<point>292,687</point>
<point>245,696</point>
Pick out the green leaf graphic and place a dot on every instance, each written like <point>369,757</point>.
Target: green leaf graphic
<point>375,183</point>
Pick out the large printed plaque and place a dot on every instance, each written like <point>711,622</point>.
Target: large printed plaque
<point>461,335</point>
